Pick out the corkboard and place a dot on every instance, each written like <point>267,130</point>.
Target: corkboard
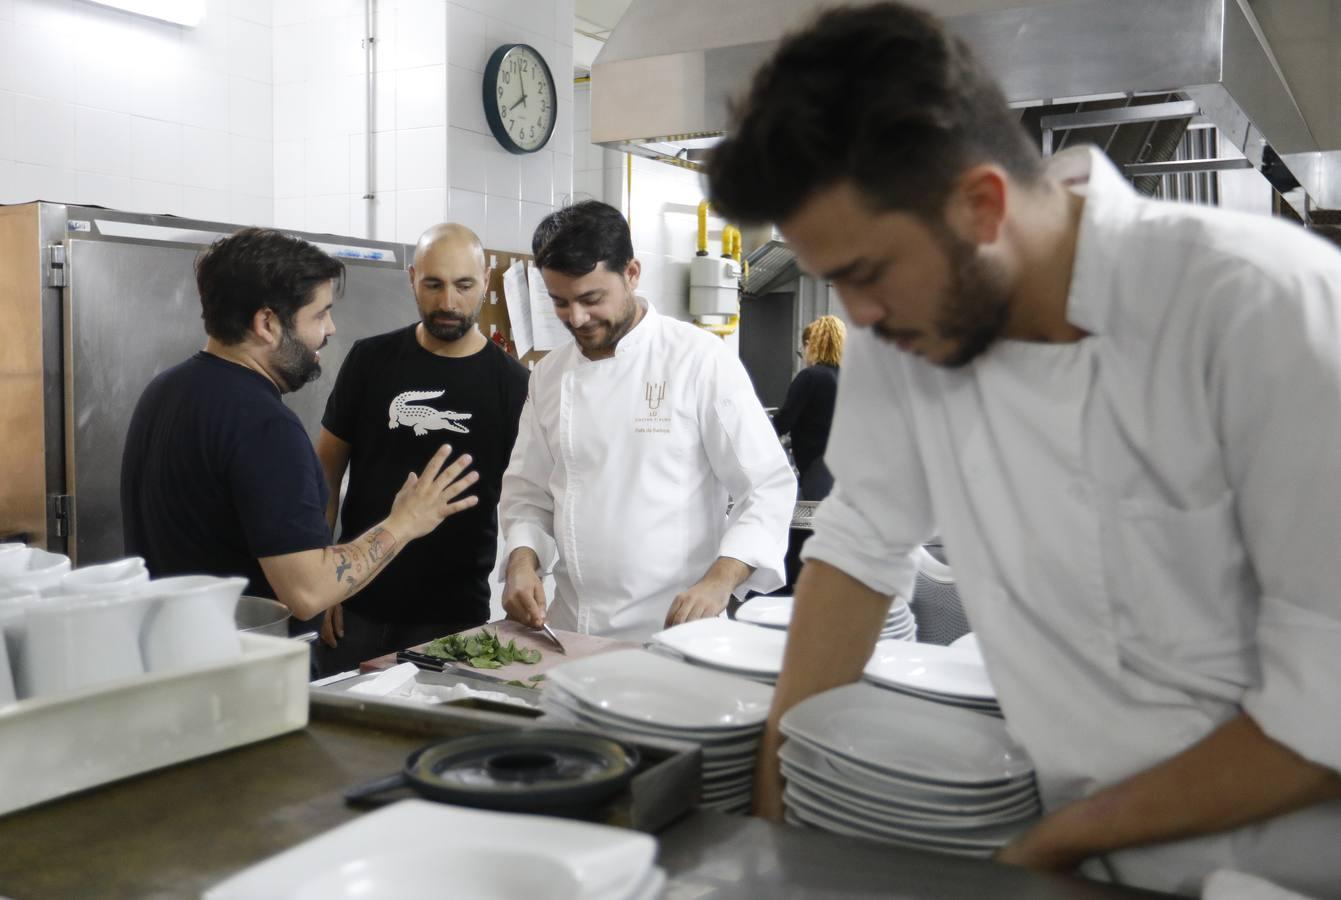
<point>494,315</point>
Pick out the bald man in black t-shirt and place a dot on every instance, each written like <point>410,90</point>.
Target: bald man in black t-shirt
<point>397,397</point>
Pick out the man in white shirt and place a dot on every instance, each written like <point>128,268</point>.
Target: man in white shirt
<point>1121,415</point>
<point>633,441</point>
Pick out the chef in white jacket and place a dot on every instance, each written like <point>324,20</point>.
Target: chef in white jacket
<point>633,442</point>
<point>1123,417</point>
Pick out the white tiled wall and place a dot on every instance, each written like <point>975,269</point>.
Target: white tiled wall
<point>112,109</point>
<point>435,157</point>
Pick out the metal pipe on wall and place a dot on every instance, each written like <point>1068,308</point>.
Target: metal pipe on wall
<point>370,122</point>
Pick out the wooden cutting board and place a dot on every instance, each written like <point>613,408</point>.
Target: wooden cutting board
<point>577,645</point>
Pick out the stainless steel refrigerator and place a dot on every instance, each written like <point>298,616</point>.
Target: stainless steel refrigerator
<point>93,304</point>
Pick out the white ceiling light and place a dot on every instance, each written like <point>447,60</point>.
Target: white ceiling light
<point>179,12</point>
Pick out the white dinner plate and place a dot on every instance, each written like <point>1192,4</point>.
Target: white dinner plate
<point>809,765</point>
<point>967,641</point>
<point>776,612</point>
<point>952,671</point>
<point>978,839</point>
<point>1025,809</point>
<point>715,743</point>
<point>825,820</point>
<point>727,644</point>
<point>635,684</point>
<point>405,849</point>
<point>889,731</point>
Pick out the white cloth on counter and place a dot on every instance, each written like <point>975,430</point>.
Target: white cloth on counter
<point>1224,884</point>
<point>1142,524</point>
<point>622,471</point>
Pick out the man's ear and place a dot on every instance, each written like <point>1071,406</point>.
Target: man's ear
<point>411,272</point>
<point>266,327</point>
<point>632,271</point>
<point>977,207</point>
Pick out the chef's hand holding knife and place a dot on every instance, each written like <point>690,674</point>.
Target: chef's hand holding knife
<point>523,591</point>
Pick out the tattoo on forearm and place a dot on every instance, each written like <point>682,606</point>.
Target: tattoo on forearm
<point>361,559</point>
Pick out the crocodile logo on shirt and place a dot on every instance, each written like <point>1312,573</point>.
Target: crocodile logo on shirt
<point>423,419</point>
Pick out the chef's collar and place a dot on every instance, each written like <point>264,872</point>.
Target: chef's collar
<point>1110,205</point>
<point>639,334</point>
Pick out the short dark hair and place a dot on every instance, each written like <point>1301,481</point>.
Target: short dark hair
<point>575,239</point>
<point>882,96</point>
<point>255,269</point>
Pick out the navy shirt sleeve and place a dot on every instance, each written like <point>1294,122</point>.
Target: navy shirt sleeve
<point>279,490</point>
<point>798,394</point>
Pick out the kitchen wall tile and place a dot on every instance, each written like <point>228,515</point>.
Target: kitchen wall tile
<point>258,11</point>
<point>250,50</point>
<point>290,112</point>
<point>289,12</point>
<point>205,203</point>
<point>386,57</point>
<point>156,81</point>
<point>509,31</point>
<point>6,10</point>
<point>155,197</point>
<point>291,45</point>
<point>38,60</point>
<point>421,160</point>
<point>537,177</point>
<point>563,178</point>
<point>327,162</point>
<point>204,98</point>
<point>290,169</point>
<point>531,216</point>
<point>384,211</point>
<point>563,22</point>
<point>290,212</point>
<point>416,210</point>
<point>465,104</point>
<point>470,208</point>
<point>352,57</point>
<point>469,159</point>
<point>504,174</point>
<point>586,186</point>
<point>525,13</point>
<point>155,151</point>
<point>9,190</point>
<point>250,166</point>
<point>384,101</point>
<point>111,191</point>
<point>421,97</point>
<point>6,125</point>
<point>102,142</point>
<point>245,209</point>
<point>562,139</point>
<point>204,158</point>
<point>250,108</point>
<point>328,214</point>
<point>421,33</point>
<point>44,132</point>
<point>335,107</point>
<point>33,182</point>
<point>41,12</point>
<point>501,224</point>
<point>481,6</point>
<point>467,38</point>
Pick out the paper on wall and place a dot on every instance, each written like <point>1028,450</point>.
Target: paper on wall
<point>516,297</point>
<point>546,328</point>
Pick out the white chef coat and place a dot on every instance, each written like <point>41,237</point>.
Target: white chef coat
<point>1143,524</point>
<point>622,471</point>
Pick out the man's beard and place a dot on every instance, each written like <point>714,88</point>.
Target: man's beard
<point>449,327</point>
<point>614,329</point>
<point>976,306</point>
<point>294,363</point>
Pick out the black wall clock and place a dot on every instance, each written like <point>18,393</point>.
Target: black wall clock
<point>519,98</point>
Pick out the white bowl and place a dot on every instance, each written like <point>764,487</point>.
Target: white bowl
<point>11,559</point>
<point>120,575</point>
<point>190,621</point>
<point>78,641</point>
<point>41,571</point>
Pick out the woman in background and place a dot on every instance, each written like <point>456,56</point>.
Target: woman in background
<point>807,412</point>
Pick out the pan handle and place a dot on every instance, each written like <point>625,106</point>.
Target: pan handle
<point>366,794</point>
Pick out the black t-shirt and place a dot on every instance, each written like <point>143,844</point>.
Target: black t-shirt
<point>395,404</point>
<point>808,412</point>
<point>216,473</point>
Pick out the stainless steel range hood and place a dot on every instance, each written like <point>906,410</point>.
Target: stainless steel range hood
<point>661,85</point>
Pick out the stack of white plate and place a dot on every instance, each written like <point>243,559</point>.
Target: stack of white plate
<point>952,675</point>
<point>873,763</point>
<point>409,848</point>
<point>776,612</point>
<point>640,693</point>
<point>726,646</point>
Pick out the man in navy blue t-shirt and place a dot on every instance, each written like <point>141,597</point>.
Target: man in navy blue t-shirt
<point>398,395</point>
<point>218,475</point>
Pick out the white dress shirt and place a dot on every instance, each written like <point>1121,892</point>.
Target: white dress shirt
<point>1143,525</point>
<point>622,471</point>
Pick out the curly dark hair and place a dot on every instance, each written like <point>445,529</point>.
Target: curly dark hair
<point>575,239</point>
<point>882,96</point>
<point>255,269</point>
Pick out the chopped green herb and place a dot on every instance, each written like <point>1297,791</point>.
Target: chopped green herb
<point>539,676</point>
<point>481,649</point>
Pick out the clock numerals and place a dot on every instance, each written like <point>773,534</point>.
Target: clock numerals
<point>523,114</point>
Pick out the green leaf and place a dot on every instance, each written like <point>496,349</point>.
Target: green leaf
<point>538,676</point>
<point>485,662</point>
<point>530,657</point>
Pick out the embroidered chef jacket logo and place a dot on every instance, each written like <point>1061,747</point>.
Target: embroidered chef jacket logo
<point>655,422</point>
<point>423,419</point>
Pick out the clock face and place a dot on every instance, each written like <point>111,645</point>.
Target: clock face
<point>519,98</point>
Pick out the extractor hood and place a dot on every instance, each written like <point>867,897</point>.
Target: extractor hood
<point>662,84</point>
